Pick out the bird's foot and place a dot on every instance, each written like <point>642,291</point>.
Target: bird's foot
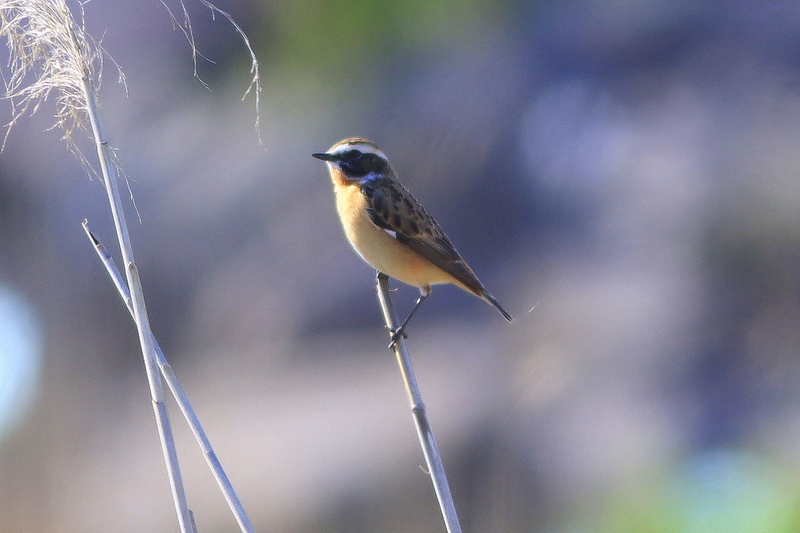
<point>396,335</point>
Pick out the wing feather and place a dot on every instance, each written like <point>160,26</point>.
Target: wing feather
<point>392,208</point>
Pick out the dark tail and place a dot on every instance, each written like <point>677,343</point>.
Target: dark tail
<point>490,299</point>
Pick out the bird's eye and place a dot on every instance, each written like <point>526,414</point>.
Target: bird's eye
<point>356,164</point>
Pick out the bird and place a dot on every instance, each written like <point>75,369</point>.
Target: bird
<point>390,229</point>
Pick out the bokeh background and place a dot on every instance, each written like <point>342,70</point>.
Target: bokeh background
<point>628,168</point>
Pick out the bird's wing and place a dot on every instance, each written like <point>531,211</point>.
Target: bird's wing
<point>392,208</point>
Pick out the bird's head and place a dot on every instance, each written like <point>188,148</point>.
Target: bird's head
<point>355,159</point>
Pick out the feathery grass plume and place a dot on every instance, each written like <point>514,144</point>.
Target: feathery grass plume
<point>48,52</point>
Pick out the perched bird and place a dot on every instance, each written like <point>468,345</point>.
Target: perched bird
<point>389,229</point>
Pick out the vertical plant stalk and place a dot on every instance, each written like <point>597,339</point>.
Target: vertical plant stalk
<point>146,339</point>
<point>180,395</point>
<point>429,449</point>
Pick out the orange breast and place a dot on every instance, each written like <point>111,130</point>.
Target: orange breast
<point>382,251</point>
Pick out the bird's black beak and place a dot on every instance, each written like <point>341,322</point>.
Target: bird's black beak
<point>325,156</point>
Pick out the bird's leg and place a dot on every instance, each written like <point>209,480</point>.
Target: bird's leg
<point>401,330</point>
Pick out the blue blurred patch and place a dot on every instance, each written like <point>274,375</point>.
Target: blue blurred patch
<point>20,358</point>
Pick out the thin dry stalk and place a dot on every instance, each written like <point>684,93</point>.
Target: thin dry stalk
<point>177,391</point>
<point>433,459</point>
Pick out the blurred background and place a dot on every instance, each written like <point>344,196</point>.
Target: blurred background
<point>629,168</point>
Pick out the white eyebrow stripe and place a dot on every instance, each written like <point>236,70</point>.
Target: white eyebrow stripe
<point>361,147</point>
